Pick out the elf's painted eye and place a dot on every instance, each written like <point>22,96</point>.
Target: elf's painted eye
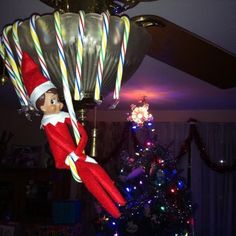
<point>54,101</point>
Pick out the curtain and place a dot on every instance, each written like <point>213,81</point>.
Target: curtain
<point>215,193</point>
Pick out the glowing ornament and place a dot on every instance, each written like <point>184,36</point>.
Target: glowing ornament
<point>4,77</point>
<point>3,80</point>
<point>139,113</point>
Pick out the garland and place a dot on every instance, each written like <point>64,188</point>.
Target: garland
<point>194,136</point>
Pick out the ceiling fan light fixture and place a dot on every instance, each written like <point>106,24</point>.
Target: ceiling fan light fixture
<point>43,34</point>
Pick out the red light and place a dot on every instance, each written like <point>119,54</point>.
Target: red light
<point>172,190</point>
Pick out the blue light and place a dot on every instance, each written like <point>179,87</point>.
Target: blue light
<point>149,123</point>
<point>114,223</point>
<point>134,127</point>
<point>128,189</point>
<point>180,184</point>
<point>174,171</point>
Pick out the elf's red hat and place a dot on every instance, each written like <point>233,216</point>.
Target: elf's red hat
<point>35,83</point>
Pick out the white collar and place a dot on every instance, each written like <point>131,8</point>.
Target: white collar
<point>54,118</point>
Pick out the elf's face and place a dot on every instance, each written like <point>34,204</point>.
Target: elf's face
<point>52,104</point>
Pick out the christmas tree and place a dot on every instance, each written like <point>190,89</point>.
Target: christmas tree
<point>158,198</point>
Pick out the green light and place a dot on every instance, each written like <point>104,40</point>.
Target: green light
<point>162,208</point>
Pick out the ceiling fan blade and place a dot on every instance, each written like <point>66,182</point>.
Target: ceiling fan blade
<point>190,53</point>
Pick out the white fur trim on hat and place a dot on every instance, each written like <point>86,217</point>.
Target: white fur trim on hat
<point>39,91</point>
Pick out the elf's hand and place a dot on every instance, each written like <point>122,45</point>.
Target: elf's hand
<point>71,160</point>
<point>81,157</point>
<point>90,159</point>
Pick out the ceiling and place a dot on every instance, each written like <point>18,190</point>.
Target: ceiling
<point>166,87</point>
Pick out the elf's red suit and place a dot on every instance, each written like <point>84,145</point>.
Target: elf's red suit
<point>66,154</point>
<point>91,174</point>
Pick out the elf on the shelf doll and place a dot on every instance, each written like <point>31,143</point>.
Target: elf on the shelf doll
<point>44,97</point>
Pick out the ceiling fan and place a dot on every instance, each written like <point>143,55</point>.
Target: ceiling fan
<point>170,44</point>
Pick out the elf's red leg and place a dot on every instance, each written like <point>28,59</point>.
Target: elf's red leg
<point>93,185</point>
<point>107,183</point>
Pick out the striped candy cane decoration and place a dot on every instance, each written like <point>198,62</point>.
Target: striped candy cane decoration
<point>79,57</point>
<point>38,47</point>
<point>11,74</point>
<point>102,54</point>
<point>21,95</point>
<point>10,55</point>
<point>14,68</point>
<point>73,169</point>
<point>17,42</point>
<point>62,62</point>
<point>122,57</point>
